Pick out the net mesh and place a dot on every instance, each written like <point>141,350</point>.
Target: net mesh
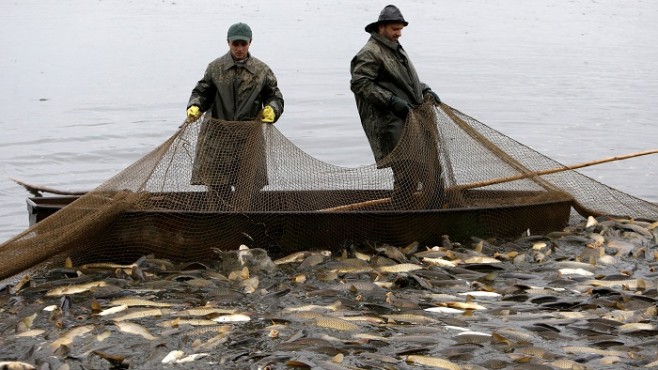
<point>219,184</point>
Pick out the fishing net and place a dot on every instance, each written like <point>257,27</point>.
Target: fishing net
<point>218,185</point>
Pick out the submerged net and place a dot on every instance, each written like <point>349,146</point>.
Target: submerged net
<point>218,185</point>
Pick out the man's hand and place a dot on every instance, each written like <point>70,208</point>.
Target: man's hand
<point>193,113</point>
<point>268,114</point>
<point>400,107</point>
<point>431,94</point>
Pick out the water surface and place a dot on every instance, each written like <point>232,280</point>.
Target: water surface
<point>88,87</point>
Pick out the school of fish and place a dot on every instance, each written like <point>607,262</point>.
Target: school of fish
<point>580,298</point>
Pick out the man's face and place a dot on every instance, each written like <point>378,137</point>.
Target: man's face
<point>392,31</point>
<point>239,48</point>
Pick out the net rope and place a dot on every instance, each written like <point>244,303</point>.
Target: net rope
<point>219,184</point>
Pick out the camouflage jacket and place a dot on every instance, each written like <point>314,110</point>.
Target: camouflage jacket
<point>380,70</point>
<point>237,91</point>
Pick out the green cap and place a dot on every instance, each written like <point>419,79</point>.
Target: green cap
<point>239,31</point>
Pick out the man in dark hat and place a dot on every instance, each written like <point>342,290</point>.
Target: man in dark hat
<point>386,87</point>
<point>235,87</point>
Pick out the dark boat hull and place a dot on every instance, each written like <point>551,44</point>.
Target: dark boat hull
<point>181,234</point>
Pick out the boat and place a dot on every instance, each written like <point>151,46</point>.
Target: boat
<point>186,234</point>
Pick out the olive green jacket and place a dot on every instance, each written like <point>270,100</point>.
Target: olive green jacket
<point>225,149</point>
<point>237,91</point>
<point>380,70</point>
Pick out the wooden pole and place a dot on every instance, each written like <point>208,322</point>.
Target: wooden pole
<point>36,190</point>
<point>479,184</point>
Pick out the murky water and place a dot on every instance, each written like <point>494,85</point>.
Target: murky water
<point>90,87</point>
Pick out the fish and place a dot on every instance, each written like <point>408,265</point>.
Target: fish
<point>313,307</point>
<point>481,294</point>
<point>369,337</point>
<point>209,329</point>
<point>19,285</point>
<point>291,258</point>
<point>576,271</point>
<point>362,256</point>
<point>27,321</point>
<point>370,319</point>
<point>67,338</point>
<point>75,289</point>
<point>445,310</point>
<point>134,301</point>
<point>116,360</point>
<point>594,351</point>
<point>236,317</point>
<point>535,352</point>
<point>104,335</point>
<point>346,269</point>
<point>411,318</point>
<point>192,357</point>
<point>250,285</point>
<point>210,343</point>
<point>565,363</point>
<point>142,313</point>
<point>359,286</point>
<point>113,310</point>
<point>474,337</point>
<point>631,284</point>
<point>619,315</point>
<point>652,364</point>
<point>193,322</point>
<point>205,311</point>
<point>403,267</point>
<point>136,329</point>
<point>433,362</point>
<point>421,339</point>
<point>16,365</point>
<point>607,260</point>
<point>312,260</point>
<point>335,323</point>
<point>159,263</point>
<point>514,335</point>
<point>464,305</point>
<point>623,248</point>
<point>30,333</point>
<point>440,262</point>
<point>392,252</point>
<point>635,327</point>
<point>200,283</point>
<point>105,266</point>
<point>481,259</point>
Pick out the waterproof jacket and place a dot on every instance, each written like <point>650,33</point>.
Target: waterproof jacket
<point>380,70</point>
<point>237,91</point>
<point>233,92</point>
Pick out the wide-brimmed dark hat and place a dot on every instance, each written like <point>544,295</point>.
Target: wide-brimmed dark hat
<point>390,14</point>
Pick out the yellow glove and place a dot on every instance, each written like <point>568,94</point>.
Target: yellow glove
<point>268,114</point>
<point>193,113</point>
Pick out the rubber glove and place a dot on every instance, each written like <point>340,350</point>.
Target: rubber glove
<point>268,114</point>
<point>400,107</point>
<point>193,113</point>
<point>433,95</point>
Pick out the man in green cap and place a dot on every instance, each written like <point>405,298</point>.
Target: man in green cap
<point>386,87</point>
<point>235,87</point>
